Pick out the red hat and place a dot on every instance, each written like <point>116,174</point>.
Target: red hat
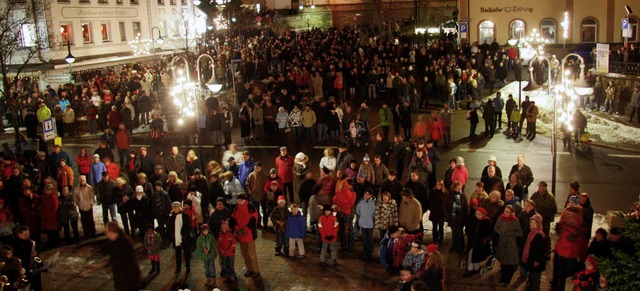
<point>432,248</point>
<point>281,198</point>
<point>473,202</point>
<point>482,210</point>
<point>592,260</point>
<point>585,195</point>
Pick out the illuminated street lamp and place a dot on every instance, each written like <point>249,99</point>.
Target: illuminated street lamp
<point>196,2</point>
<point>159,40</point>
<point>70,59</point>
<point>211,84</point>
<point>565,28</point>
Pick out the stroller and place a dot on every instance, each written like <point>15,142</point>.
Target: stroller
<point>357,135</point>
<point>485,266</point>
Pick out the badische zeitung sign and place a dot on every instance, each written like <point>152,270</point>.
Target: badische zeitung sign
<point>99,12</point>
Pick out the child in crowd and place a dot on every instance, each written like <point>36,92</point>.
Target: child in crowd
<point>589,278</point>
<point>414,260</point>
<point>227,250</point>
<point>533,253</point>
<point>279,217</point>
<point>152,241</point>
<point>206,247</point>
<point>296,229</point>
<point>328,229</point>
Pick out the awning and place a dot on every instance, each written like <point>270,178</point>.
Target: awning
<point>109,61</point>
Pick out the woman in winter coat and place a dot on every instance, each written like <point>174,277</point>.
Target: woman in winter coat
<point>295,120</point>
<point>192,163</point>
<point>83,160</point>
<point>480,243</point>
<point>386,212</point>
<point>282,118</point>
<point>533,253</point>
<point>126,272</point>
<point>508,228</point>
<point>226,125</point>
<point>405,120</point>
<point>456,214</point>
<point>570,245</point>
<point>49,218</point>
<point>245,121</point>
<point>515,185</point>
<point>437,199</point>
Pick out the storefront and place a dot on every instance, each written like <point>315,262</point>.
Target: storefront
<point>589,21</point>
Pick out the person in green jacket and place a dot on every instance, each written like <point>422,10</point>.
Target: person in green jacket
<point>515,121</point>
<point>206,250</point>
<point>385,119</point>
<point>43,112</point>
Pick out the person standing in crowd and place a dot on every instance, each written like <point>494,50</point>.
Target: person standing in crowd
<point>84,198</point>
<point>179,229</point>
<point>328,230</point>
<point>104,190</point>
<point>244,221</point>
<point>532,118</point>
<point>308,122</point>
<point>533,254</point>
<point>498,103</point>
<point>510,106</point>
<point>410,216</point>
<point>84,162</point>
<point>123,138</point>
<point>177,163</point>
<point>509,230</point>
<point>437,198</point>
<point>296,229</point>
<point>545,203</point>
<point>524,174</point>
<point>207,250</point>
<point>68,215</point>
<point>160,207</point>
<point>279,216</point>
<point>365,211</point>
<point>344,200</point>
<point>489,116</point>
<point>570,244</point>
<point>284,164</point>
<point>123,262</point>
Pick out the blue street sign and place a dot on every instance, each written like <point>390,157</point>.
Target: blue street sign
<point>49,129</point>
<point>625,23</point>
<point>464,27</point>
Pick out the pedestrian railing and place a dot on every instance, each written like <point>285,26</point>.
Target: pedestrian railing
<point>625,68</point>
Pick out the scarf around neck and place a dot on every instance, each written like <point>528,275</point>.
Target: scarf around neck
<point>527,246</point>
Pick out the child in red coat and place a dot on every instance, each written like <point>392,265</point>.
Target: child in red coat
<point>227,251</point>
<point>191,212</point>
<point>589,278</point>
<point>328,228</point>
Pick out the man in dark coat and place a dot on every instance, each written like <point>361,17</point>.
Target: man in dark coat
<point>393,186</point>
<point>145,163</point>
<point>161,207</point>
<point>126,272</point>
<point>179,226</point>
<point>492,182</point>
<point>220,214</point>
<point>419,189</point>
<point>344,157</point>
<point>489,116</point>
<point>176,162</point>
<point>383,149</point>
<point>524,173</point>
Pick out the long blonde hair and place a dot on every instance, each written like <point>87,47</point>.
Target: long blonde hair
<point>436,260</point>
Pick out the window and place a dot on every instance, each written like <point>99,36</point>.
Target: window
<point>633,24</point>
<point>103,1</point>
<point>176,28</point>
<point>86,32</point>
<point>66,33</point>
<point>183,2</point>
<point>105,31</point>
<point>163,28</point>
<point>160,2</point>
<point>486,29</point>
<point>136,29</point>
<point>85,1</point>
<point>123,32</point>
<point>548,30</point>
<point>135,2</point>
<point>63,1</point>
<point>28,35</point>
<point>589,30</point>
<point>517,29</point>
<point>172,2</point>
<point>119,2</point>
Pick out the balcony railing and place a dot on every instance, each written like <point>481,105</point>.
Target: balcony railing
<point>625,68</point>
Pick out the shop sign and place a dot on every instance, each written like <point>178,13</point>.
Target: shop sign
<point>506,9</point>
<point>602,58</point>
<point>99,12</point>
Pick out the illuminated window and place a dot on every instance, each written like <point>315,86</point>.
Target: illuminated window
<point>28,35</point>
<point>66,33</point>
<point>86,32</point>
<point>589,30</point>
<point>548,30</point>
<point>136,29</point>
<point>486,29</point>
<point>105,31</point>
<point>123,32</point>
<point>517,29</point>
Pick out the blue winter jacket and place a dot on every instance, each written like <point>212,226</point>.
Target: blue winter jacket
<point>296,226</point>
<point>366,211</point>
<point>498,103</point>
<point>244,170</point>
<point>96,173</point>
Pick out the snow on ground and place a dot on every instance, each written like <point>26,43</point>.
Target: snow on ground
<point>602,130</point>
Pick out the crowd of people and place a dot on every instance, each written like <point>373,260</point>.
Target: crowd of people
<point>320,85</point>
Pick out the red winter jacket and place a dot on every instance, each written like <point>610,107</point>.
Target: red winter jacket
<point>267,184</point>
<point>328,228</point>
<point>245,218</point>
<point>345,199</point>
<point>226,244</point>
<point>570,233</point>
<point>328,184</point>
<point>401,248</point>
<point>84,164</point>
<point>114,170</point>
<point>49,212</point>
<point>285,168</point>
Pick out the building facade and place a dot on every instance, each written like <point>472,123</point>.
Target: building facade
<point>589,21</point>
<point>100,32</point>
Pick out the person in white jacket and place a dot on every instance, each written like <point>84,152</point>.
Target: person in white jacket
<point>329,160</point>
<point>195,198</point>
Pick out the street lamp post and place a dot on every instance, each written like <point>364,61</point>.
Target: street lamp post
<point>153,42</point>
<point>70,59</point>
<point>565,28</point>
<point>211,84</point>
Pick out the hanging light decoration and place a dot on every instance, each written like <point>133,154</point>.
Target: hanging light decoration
<point>141,46</point>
